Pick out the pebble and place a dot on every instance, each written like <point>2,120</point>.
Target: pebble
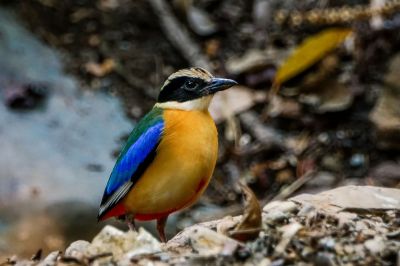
<point>51,259</point>
<point>324,259</point>
<point>306,210</point>
<point>77,249</point>
<point>327,243</point>
<point>275,216</point>
<point>357,160</point>
<point>375,245</point>
<point>283,206</point>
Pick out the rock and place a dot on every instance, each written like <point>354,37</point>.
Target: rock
<point>327,243</point>
<point>275,216</point>
<point>264,262</point>
<point>375,245</point>
<point>225,225</point>
<point>354,198</point>
<point>77,249</point>
<point>145,244</point>
<point>307,210</point>
<point>283,206</point>
<point>324,259</point>
<point>51,259</point>
<point>288,232</point>
<point>210,243</point>
<point>123,244</point>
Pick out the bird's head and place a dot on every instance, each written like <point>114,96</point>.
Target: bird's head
<point>191,89</point>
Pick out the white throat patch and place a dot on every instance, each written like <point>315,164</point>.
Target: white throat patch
<point>200,104</point>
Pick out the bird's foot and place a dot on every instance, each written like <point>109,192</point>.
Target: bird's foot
<point>160,228</point>
<point>130,221</point>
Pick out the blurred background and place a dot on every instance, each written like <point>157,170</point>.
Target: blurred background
<point>317,106</point>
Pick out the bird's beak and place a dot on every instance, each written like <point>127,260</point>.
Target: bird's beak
<point>218,84</point>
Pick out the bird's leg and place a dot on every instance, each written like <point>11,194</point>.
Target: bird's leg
<point>130,221</point>
<point>160,228</point>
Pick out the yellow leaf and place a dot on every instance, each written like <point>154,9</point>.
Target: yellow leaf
<point>309,52</point>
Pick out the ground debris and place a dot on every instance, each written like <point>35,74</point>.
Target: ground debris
<point>234,101</point>
<point>250,225</point>
<point>311,233</point>
<point>386,113</point>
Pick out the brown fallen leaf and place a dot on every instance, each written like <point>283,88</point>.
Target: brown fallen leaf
<point>253,60</point>
<point>235,100</point>
<point>200,21</point>
<point>283,107</point>
<point>332,96</point>
<point>386,113</point>
<point>250,225</point>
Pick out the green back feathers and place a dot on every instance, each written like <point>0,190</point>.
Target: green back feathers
<point>149,120</point>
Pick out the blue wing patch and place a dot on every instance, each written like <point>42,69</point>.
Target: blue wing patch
<point>136,154</point>
<point>131,164</point>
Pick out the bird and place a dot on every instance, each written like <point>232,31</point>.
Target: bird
<point>170,155</point>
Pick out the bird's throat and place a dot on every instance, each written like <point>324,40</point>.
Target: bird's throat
<point>200,104</point>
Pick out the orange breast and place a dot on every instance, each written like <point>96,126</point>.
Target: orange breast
<point>182,168</point>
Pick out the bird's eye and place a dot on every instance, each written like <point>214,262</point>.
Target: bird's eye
<point>191,85</point>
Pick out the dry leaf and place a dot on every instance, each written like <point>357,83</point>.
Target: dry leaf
<point>233,101</point>
<point>310,51</point>
<point>250,225</point>
<point>332,96</point>
<point>386,113</point>
<point>252,60</point>
<point>99,70</point>
<point>283,107</point>
<point>200,21</point>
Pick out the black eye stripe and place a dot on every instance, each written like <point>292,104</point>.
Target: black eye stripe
<point>177,89</point>
<point>191,84</point>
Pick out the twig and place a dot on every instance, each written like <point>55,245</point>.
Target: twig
<point>266,135</point>
<point>288,191</point>
<point>136,82</point>
<point>99,256</point>
<point>178,35</point>
<point>245,231</point>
